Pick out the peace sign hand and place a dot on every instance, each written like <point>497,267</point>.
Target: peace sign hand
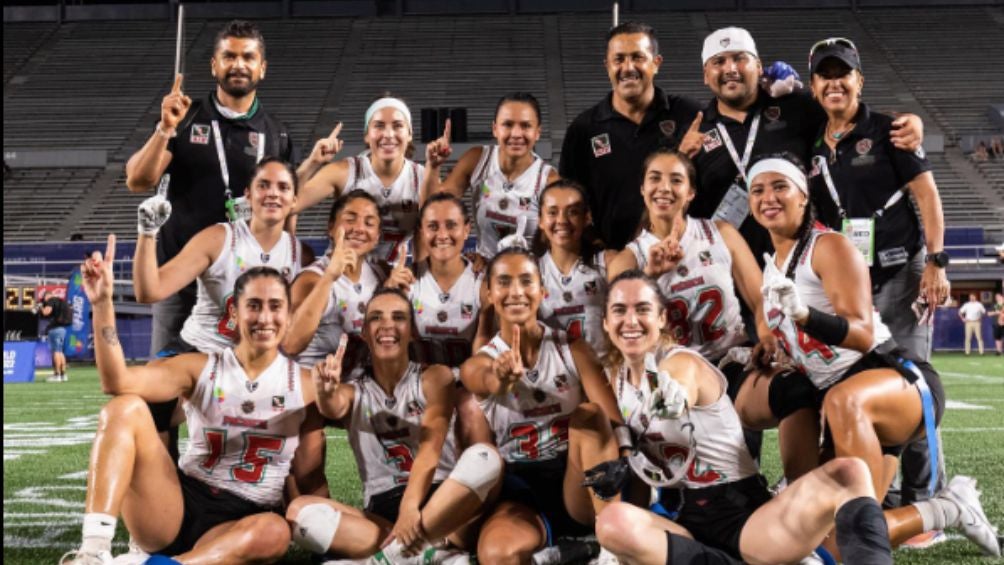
<point>174,107</point>
<point>326,148</point>
<point>327,374</point>
<point>438,151</point>
<point>508,367</point>
<point>96,274</point>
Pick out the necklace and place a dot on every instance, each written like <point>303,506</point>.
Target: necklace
<point>837,135</point>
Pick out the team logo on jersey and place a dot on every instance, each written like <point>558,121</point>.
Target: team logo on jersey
<point>361,307</point>
<point>712,141</point>
<point>601,145</point>
<point>444,297</point>
<point>417,305</point>
<point>667,127</point>
<point>287,273</point>
<point>566,296</point>
<point>358,287</point>
<point>389,402</point>
<point>532,375</point>
<point>682,270</point>
<point>279,403</point>
<point>200,134</point>
<point>265,257</point>
<point>251,385</point>
<point>442,316</point>
<point>561,382</point>
<point>413,408</point>
<point>591,288</point>
<point>343,305</point>
<point>772,113</point>
<point>524,203</point>
<point>919,153</point>
<point>467,311</point>
<point>507,185</point>
<point>705,257</point>
<point>254,138</point>
<point>863,146</point>
<point>247,406</point>
<point>566,280</point>
<point>485,191</point>
<point>504,204</point>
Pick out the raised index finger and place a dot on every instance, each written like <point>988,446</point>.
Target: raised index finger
<point>515,344</point>
<point>110,249</point>
<point>696,124</point>
<point>178,79</point>
<point>339,237</point>
<point>402,254</point>
<point>343,342</point>
<point>336,131</point>
<point>447,129</point>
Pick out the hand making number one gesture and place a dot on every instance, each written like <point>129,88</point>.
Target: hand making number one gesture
<point>343,258</point>
<point>173,108</point>
<point>692,141</point>
<point>438,151</point>
<point>667,254</point>
<point>326,148</point>
<point>508,366</point>
<point>96,274</point>
<point>401,276</point>
<point>327,374</point>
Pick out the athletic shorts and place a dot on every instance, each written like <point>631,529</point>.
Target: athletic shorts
<point>57,339</point>
<point>682,550</point>
<point>540,485</point>
<point>998,332</point>
<point>716,515</point>
<point>206,507</point>
<point>387,504</point>
<point>888,356</point>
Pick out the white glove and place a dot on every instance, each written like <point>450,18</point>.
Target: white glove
<point>516,239</point>
<point>741,355</point>
<point>669,399</point>
<point>782,291</point>
<point>153,213</point>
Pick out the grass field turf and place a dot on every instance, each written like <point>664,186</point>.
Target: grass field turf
<point>48,430</point>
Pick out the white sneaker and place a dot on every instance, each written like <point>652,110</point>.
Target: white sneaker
<point>135,556</point>
<point>972,521</point>
<point>78,557</point>
<point>393,554</point>
<point>55,379</point>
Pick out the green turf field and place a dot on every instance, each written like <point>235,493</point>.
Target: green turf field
<point>48,430</point>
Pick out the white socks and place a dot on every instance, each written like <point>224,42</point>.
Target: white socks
<point>937,513</point>
<point>99,529</point>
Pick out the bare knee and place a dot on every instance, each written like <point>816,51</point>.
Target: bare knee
<point>124,409</point>
<point>851,474</point>
<point>617,529</point>
<point>265,538</point>
<point>497,552</point>
<point>843,408</point>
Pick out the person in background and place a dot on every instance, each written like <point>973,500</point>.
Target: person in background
<point>60,316</point>
<point>971,313</point>
<point>998,319</point>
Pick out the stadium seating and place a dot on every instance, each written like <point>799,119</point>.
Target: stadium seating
<point>98,85</point>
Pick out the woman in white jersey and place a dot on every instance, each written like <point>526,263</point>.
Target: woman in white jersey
<point>330,296</point>
<point>572,266</point>
<point>505,179</point>
<point>687,435</point>
<point>872,396</point>
<point>397,414</point>
<point>549,408</point>
<point>445,291</point>
<point>385,171</point>
<point>250,410</point>
<point>217,255</point>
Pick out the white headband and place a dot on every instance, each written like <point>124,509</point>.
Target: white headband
<point>387,103</point>
<point>783,166</point>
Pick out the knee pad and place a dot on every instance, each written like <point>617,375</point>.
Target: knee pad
<point>315,526</point>
<point>478,468</point>
<point>789,392</point>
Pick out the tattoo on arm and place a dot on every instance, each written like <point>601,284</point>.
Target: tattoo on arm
<point>110,336</point>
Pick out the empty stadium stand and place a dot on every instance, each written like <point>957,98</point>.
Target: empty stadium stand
<point>98,85</point>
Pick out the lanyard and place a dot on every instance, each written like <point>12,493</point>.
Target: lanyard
<point>741,164</point>
<point>824,168</point>
<point>225,170</point>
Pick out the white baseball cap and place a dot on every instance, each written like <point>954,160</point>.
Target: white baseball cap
<point>728,39</point>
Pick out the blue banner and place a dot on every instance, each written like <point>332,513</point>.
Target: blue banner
<point>18,361</point>
<point>78,335</point>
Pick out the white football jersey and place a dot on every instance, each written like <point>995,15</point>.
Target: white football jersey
<point>576,302</point>
<point>344,313</point>
<point>823,364</point>
<point>498,203</point>
<point>385,432</point>
<point>242,432</point>
<point>530,423</point>
<point>447,321</point>
<point>713,432</point>
<point>399,203</point>
<point>210,328</point>
<point>701,304</point>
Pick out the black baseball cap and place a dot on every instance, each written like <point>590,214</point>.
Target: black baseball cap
<point>836,47</point>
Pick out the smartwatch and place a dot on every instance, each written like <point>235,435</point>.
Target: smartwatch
<point>940,259</point>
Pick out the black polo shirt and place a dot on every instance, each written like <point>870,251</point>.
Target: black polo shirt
<point>604,151</point>
<point>867,170</point>
<point>787,124</point>
<point>196,191</point>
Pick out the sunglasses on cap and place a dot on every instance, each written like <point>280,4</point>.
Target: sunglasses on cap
<point>840,47</point>
<point>842,41</point>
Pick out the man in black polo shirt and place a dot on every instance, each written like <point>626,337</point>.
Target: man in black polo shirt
<point>605,146</point>
<point>742,122</point>
<point>209,149</point>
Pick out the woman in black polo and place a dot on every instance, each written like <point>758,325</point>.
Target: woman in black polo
<point>859,183</point>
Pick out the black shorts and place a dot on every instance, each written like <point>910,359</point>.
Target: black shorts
<point>540,485</point>
<point>682,550</point>
<point>716,515</point>
<point>891,356</point>
<point>206,507</point>
<point>387,504</point>
<point>998,332</point>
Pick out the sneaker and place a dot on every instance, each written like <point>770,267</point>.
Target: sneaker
<point>925,540</point>
<point>135,556</point>
<point>393,554</point>
<point>972,521</point>
<point>86,558</point>
<point>55,379</point>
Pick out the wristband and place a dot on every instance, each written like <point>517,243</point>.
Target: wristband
<point>623,435</point>
<point>827,328</point>
<point>165,133</point>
